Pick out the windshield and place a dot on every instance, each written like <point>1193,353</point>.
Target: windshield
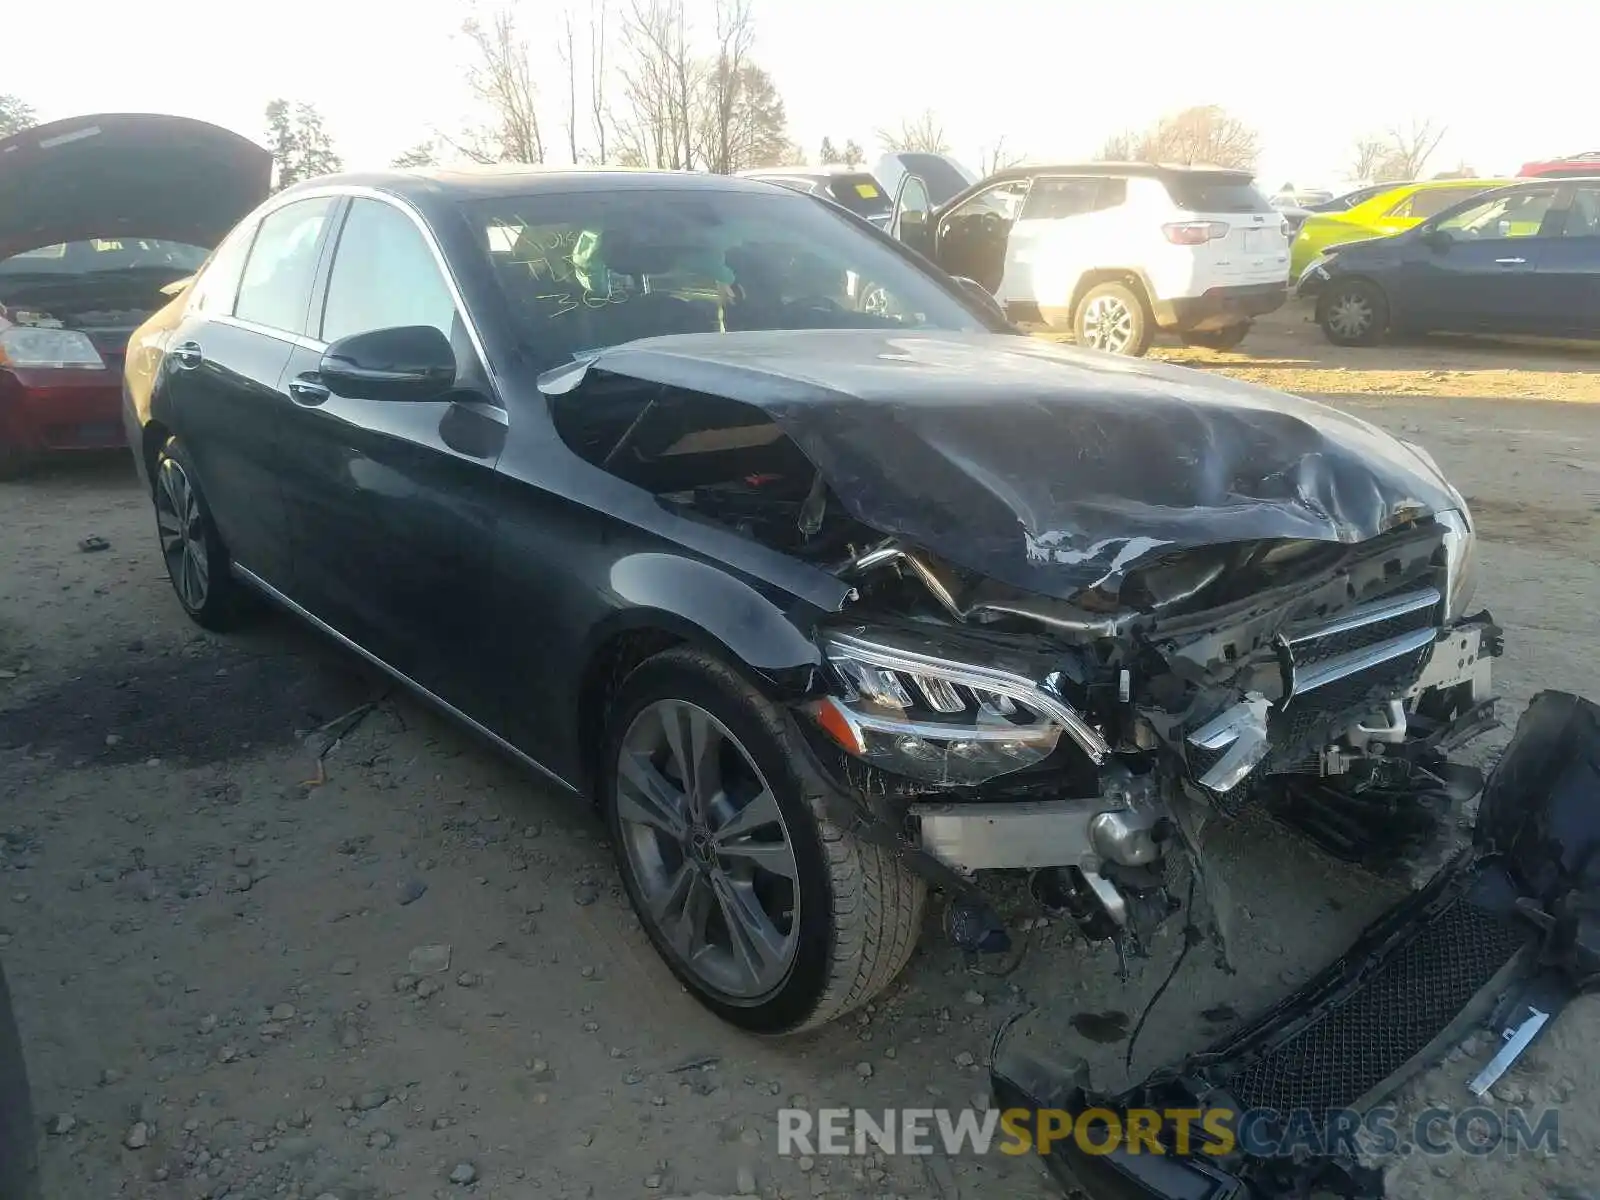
<point>584,270</point>
<point>859,193</point>
<point>106,254</point>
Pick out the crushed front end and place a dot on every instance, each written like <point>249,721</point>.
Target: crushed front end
<point>1088,740</point>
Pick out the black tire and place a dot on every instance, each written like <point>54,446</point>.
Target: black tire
<point>1340,306</point>
<point>1125,327</point>
<point>221,602</point>
<point>19,1135</point>
<point>860,910</point>
<point>1217,339</point>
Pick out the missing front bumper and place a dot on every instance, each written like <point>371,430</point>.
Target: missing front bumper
<point>1516,913</point>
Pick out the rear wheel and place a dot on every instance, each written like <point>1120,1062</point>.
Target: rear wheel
<point>1112,317</point>
<point>1353,312</point>
<point>776,919</point>
<point>1217,339</point>
<point>197,561</point>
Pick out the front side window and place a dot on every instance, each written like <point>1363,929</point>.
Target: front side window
<point>275,289</point>
<point>584,270</point>
<point>384,275</point>
<point>1583,213</point>
<point>1514,215</point>
<point>1003,201</point>
<point>218,285</point>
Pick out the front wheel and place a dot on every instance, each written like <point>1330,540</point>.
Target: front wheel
<point>1112,317</point>
<point>1352,312</point>
<point>776,919</point>
<point>1217,339</point>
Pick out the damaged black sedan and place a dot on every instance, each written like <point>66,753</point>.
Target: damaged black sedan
<point>826,603</point>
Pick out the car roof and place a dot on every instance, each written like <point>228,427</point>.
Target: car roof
<point>516,179</point>
<point>804,171</point>
<point>1150,170</point>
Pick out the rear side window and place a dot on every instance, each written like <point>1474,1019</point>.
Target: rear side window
<point>384,275</point>
<point>218,284</point>
<point>1430,203</point>
<point>1052,199</point>
<point>275,290</point>
<point>1218,192</point>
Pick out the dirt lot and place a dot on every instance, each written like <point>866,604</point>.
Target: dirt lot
<point>227,964</point>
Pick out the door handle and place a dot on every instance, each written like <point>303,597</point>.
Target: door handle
<point>307,390</point>
<point>188,355</point>
<point>1510,262</point>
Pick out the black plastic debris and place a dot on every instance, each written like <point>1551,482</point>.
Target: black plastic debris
<point>1503,936</point>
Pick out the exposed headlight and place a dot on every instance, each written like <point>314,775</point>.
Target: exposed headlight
<point>1317,268</point>
<point>940,721</point>
<point>31,346</point>
<point>1461,561</point>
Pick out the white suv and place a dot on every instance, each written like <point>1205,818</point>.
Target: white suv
<point>1111,251</point>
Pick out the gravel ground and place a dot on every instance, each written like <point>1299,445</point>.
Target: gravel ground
<point>411,972</point>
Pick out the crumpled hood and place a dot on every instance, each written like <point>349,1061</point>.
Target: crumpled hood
<point>1041,466</point>
<point>136,174</point>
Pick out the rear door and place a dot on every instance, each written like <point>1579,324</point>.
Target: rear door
<point>221,372</point>
<point>1243,244</point>
<point>1569,267</point>
<point>391,504</point>
<point>1069,225</point>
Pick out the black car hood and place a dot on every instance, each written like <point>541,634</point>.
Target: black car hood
<point>1041,466</point>
<point>134,174</point>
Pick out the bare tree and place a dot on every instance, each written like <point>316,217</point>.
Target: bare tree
<point>502,77</point>
<point>422,154</point>
<point>1203,134</point>
<point>1366,156</point>
<point>565,50</point>
<point>725,82</point>
<point>661,82</point>
<point>854,156</point>
<point>1409,150</point>
<point>829,156</point>
<point>924,134</point>
<point>757,127</point>
<point>15,115</point>
<point>997,158</point>
<point>598,113</point>
<point>1119,147</point>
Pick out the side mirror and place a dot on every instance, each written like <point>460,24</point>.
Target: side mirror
<point>407,362</point>
<point>981,295</point>
<point>1436,239</point>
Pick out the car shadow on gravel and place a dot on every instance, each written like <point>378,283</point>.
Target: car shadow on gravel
<point>202,703</point>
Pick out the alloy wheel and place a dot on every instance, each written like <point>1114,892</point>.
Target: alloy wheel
<point>1350,315</point>
<point>1108,324</point>
<point>182,529</point>
<point>709,849</point>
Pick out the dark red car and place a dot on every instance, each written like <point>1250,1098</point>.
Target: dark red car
<point>98,216</point>
<point>1576,166</point>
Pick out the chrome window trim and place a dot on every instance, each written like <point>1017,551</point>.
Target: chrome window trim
<point>360,191</point>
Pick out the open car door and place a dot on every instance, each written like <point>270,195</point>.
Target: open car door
<point>911,218</point>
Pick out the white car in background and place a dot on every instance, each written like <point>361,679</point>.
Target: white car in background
<point>1111,251</point>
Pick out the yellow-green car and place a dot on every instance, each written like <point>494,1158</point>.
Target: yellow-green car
<point>1402,207</point>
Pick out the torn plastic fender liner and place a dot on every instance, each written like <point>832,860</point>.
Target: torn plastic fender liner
<point>1038,465</point>
<point>1514,910</point>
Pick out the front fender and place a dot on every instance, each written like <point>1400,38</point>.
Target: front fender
<point>763,628</point>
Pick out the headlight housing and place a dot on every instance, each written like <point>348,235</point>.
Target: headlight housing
<point>940,721</point>
<point>34,346</point>
<point>1461,561</point>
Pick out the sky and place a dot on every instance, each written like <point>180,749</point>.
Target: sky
<point>1054,78</point>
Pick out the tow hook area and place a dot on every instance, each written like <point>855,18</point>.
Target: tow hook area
<point>1502,938</point>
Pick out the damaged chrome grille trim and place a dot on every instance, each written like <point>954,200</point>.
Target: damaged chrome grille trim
<point>1372,613</point>
<point>1018,687</point>
<point>1334,669</point>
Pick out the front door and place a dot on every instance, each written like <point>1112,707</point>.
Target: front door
<point>973,237</point>
<point>1569,269</point>
<point>390,503</point>
<point>1476,270</point>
